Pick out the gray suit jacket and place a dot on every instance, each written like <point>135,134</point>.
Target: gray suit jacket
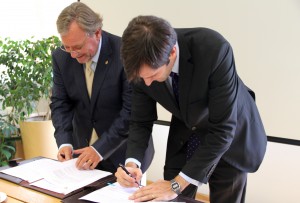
<point>213,103</point>
<point>74,114</point>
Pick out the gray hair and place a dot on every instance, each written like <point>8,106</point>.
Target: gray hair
<point>85,17</point>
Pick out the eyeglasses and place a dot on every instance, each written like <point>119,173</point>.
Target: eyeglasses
<point>76,50</point>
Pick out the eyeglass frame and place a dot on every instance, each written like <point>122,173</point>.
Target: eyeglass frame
<point>77,50</point>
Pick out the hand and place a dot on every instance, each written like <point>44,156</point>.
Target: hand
<point>125,180</point>
<point>88,159</point>
<point>157,191</point>
<point>65,153</point>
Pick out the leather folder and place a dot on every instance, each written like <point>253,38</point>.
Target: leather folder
<point>91,187</point>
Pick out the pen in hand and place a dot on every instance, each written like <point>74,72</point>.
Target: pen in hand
<point>127,172</point>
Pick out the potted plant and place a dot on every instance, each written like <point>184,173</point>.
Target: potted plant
<point>26,79</point>
<point>7,144</point>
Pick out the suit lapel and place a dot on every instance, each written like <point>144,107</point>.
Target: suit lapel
<point>102,68</point>
<point>161,93</point>
<point>80,81</point>
<point>185,76</point>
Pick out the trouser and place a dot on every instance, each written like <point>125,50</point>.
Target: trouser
<point>227,185</point>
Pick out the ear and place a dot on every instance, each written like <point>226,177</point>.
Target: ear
<point>98,34</point>
<point>173,53</point>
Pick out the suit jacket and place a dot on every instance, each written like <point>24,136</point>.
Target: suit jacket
<point>213,103</point>
<point>74,114</point>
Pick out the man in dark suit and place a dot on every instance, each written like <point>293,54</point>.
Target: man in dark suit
<point>91,98</point>
<point>216,134</point>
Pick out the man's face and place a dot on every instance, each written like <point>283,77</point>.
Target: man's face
<point>80,44</point>
<point>149,74</point>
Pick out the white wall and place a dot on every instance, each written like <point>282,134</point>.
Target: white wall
<point>23,19</point>
<point>276,181</point>
<point>264,36</point>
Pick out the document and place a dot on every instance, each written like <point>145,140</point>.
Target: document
<point>59,177</point>
<point>111,193</point>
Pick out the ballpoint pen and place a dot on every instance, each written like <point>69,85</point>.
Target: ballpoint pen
<point>127,172</point>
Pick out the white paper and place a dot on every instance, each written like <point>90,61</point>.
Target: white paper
<point>60,177</point>
<point>32,171</point>
<point>111,194</point>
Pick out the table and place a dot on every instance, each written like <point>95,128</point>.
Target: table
<point>17,193</point>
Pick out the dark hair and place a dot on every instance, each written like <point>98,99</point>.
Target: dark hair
<point>146,40</point>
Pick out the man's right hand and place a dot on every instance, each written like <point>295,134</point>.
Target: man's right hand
<point>129,181</point>
<point>65,153</point>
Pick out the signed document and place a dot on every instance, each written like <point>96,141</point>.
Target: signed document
<point>59,177</point>
<point>111,193</point>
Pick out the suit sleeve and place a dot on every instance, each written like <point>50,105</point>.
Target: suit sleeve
<point>144,114</point>
<point>117,133</point>
<point>61,107</point>
<point>222,118</point>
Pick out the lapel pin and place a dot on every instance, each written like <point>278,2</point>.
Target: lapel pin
<point>106,62</point>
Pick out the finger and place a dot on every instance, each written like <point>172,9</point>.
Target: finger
<point>81,161</point>
<point>142,196</point>
<point>60,157</point>
<point>87,165</point>
<point>93,166</point>
<point>78,151</point>
<point>123,179</point>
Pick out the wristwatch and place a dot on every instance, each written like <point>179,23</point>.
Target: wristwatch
<point>175,186</point>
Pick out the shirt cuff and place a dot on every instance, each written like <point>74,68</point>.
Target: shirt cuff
<point>134,161</point>
<point>66,145</point>
<point>101,158</point>
<point>190,180</point>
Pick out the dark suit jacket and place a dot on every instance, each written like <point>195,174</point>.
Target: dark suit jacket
<point>214,104</point>
<point>74,114</point>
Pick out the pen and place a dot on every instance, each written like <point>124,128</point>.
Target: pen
<point>62,155</point>
<point>127,172</point>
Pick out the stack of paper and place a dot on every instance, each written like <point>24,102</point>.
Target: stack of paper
<point>60,177</point>
<point>111,193</point>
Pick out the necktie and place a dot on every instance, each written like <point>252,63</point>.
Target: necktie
<point>89,76</point>
<point>175,80</point>
<point>192,145</point>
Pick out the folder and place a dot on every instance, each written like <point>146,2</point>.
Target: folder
<point>94,185</point>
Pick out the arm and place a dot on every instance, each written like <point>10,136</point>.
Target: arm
<point>222,118</point>
<point>143,116</point>
<point>61,108</point>
<point>117,133</point>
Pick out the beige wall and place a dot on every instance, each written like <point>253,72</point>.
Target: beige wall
<point>264,35</point>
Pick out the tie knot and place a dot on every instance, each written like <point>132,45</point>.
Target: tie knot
<point>89,64</point>
<point>172,74</point>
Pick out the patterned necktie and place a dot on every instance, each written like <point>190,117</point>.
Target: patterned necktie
<point>89,77</point>
<point>175,80</point>
<point>192,145</point>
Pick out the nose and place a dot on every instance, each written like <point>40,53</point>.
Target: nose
<point>148,81</point>
<point>74,54</point>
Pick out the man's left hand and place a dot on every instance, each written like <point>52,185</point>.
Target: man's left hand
<point>157,191</point>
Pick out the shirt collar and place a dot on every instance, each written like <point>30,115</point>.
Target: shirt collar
<point>96,56</point>
<point>175,68</point>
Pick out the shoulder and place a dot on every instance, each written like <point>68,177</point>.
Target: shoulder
<point>201,36</point>
<point>110,36</point>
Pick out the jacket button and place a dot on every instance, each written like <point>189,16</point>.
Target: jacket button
<point>194,128</point>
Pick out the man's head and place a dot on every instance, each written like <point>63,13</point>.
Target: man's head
<point>80,31</point>
<point>148,49</point>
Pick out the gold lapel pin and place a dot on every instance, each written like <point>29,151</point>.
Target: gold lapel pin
<point>106,62</point>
